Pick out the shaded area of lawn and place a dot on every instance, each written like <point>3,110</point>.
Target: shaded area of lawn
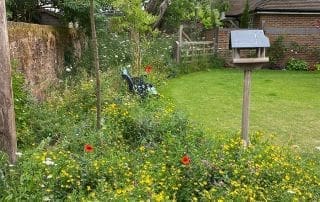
<point>284,103</point>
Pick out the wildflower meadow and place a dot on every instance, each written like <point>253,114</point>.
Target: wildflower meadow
<point>148,148</point>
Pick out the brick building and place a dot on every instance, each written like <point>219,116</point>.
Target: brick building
<point>298,21</point>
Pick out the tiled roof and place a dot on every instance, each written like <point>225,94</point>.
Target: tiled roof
<point>237,6</point>
<point>289,5</point>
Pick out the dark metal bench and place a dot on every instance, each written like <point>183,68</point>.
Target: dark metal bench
<point>137,85</point>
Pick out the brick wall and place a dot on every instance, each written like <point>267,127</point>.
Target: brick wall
<point>301,36</point>
<point>296,29</point>
<point>222,38</point>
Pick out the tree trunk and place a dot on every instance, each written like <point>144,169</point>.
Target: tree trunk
<point>162,9</point>
<point>8,142</point>
<point>135,38</point>
<point>153,6</point>
<point>96,63</point>
<point>157,7</point>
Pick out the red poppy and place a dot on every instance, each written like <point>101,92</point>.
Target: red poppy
<point>185,160</point>
<point>148,69</point>
<point>88,148</point>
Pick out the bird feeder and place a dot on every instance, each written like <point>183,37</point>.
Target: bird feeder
<point>248,52</point>
<point>242,40</point>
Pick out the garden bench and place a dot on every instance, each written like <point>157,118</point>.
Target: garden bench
<point>137,85</point>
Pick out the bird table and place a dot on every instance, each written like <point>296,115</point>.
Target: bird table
<point>248,53</point>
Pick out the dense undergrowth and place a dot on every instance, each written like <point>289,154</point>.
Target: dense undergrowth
<point>146,150</point>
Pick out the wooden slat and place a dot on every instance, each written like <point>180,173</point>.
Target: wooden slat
<point>186,36</point>
<point>192,49</point>
<point>250,60</point>
<point>189,56</point>
<point>196,43</point>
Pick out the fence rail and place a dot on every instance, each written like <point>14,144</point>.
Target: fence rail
<point>189,49</point>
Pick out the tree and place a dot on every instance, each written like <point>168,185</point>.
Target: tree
<point>244,20</point>
<point>137,21</point>
<point>8,142</point>
<point>159,8</point>
<point>205,11</point>
<point>177,12</point>
<point>77,10</point>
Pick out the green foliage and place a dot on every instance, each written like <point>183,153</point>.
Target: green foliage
<point>245,17</point>
<point>137,155</point>
<point>210,18</point>
<point>210,12</point>
<point>204,11</point>
<point>157,52</point>
<point>219,169</point>
<point>23,11</point>
<point>177,12</point>
<point>221,5</point>
<point>199,63</point>
<point>137,22</point>
<point>297,65</point>
<point>277,54</point>
<point>277,51</point>
<point>114,49</point>
<point>134,18</point>
<point>147,123</point>
<point>317,66</point>
<point>116,52</point>
<point>76,11</point>
<point>22,107</point>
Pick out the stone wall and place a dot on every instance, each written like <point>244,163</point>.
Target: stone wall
<point>39,52</point>
<point>301,36</point>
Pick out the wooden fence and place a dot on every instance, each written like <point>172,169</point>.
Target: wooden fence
<point>186,49</point>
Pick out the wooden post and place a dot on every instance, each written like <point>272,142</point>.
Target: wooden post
<point>246,107</point>
<point>178,51</point>
<point>180,34</point>
<point>96,63</point>
<point>8,141</point>
<point>179,44</point>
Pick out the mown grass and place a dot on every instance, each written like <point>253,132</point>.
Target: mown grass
<point>284,103</point>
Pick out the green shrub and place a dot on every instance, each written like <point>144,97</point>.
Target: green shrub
<point>276,52</point>
<point>296,64</point>
<point>197,63</point>
<point>23,104</point>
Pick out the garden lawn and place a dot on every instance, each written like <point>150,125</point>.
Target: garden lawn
<point>283,103</point>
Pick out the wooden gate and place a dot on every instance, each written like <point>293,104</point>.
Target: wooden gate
<point>186,49</point>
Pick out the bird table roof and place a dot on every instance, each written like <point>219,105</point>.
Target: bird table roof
<point>249,39</point>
